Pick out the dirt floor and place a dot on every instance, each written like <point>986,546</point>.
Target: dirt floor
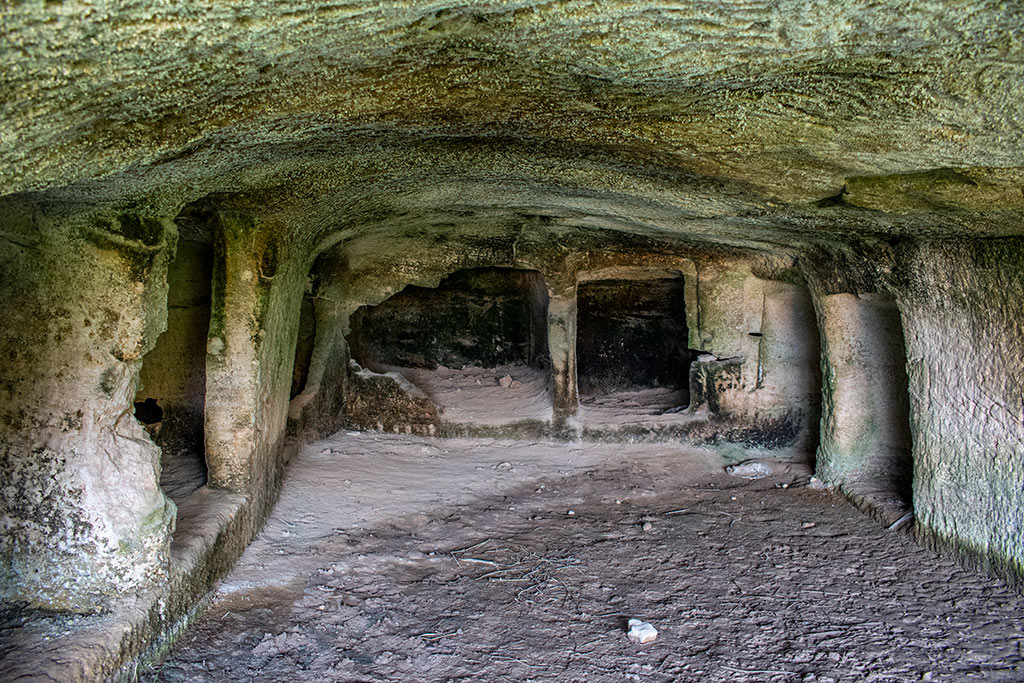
<point>405,559</point>
<point>484,396</point>
<point>182,471</point>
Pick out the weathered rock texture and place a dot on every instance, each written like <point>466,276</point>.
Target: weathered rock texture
<point>962,305</point>
<point>781,158</point>
<point>82,516</point>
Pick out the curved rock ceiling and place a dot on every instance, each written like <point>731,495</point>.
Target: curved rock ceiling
<point>746,122</point>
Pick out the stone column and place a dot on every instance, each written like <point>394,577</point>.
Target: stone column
<point>562,347</point>
<point>257,293</point>
<point>320,409</point>
<point>865,431</point>
<point>82,299</point>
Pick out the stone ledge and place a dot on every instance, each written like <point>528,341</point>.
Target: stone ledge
<point>51,647</point>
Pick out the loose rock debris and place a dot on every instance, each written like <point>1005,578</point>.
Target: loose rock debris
<point>641,632</point>
<point>417,570</point>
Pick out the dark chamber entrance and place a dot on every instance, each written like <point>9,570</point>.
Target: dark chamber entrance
<point>476,344</point>
<point>631,336</point>
<point>482,317</point>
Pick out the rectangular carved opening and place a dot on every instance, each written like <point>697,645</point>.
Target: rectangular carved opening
<point>171,398</point>
<point>631,342</point>
<point>476,344</point>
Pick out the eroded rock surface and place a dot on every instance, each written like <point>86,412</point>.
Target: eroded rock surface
<point>789,162</point>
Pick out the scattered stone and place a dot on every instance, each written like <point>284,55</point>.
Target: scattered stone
<point>506,381</point>
<point>505,467</point>
<point>751,469</point>
<point>641,632</point>
<point>808,525</point>
<point>647,526</point>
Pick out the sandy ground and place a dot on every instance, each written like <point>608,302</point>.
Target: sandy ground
<point>181,473</point>
<point>475,395</point>
<point>405,559</point>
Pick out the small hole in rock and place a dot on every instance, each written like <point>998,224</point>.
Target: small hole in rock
<point>148,412</point>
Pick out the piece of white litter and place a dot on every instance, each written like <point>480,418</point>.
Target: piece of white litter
<point>641,632</point>
<point>751,469</point>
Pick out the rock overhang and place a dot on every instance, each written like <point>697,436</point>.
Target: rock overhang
<point>733,113</point>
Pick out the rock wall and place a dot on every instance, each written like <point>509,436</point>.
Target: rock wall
<point>760,342</point>
<point>82,518</point>
<point>762,326</point>
<point>962,306</point>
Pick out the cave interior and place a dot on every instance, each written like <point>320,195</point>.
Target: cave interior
<point>774,236</point>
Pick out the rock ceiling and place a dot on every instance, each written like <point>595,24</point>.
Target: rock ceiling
<point>744,121</point>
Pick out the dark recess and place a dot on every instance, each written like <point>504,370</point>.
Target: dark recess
<point>482,317</point>
<point>632,335</point>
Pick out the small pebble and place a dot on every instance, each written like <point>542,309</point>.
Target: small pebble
<point>641,632</point>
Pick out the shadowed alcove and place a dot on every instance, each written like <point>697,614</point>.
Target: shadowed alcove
<point>476,344</point>
<point>631,344</point>
<point>171,398</point>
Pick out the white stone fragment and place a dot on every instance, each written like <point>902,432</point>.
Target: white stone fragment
<point>506,381</point>
<point>751,469</point>
<point>641,632</point>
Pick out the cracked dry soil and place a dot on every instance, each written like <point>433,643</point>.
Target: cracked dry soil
<point>404,559</point>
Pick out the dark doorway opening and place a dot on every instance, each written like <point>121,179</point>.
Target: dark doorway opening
<point>304,344</point>
<point>171,398</point>
<point>632,341</point>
